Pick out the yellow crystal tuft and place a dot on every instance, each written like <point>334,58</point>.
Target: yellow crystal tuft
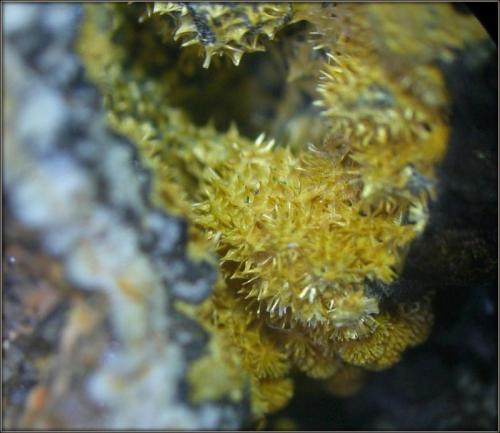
<point>303,222</point>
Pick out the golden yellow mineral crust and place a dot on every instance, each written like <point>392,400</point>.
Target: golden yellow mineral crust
<point>304,217</point>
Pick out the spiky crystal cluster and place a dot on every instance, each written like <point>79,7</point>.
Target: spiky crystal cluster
<point>300,231</point>
<point>222,29</point>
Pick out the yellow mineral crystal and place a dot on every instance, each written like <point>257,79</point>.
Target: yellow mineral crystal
<point>220,29</point>
<point>302,218</point>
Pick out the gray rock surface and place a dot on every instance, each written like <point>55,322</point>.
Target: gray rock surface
<point>121,355</point>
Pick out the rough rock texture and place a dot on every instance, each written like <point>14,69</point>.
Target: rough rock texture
<point>108,352</point>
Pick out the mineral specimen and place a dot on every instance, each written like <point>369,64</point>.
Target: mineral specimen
<point>302,232</point>
<point>263,213</point>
